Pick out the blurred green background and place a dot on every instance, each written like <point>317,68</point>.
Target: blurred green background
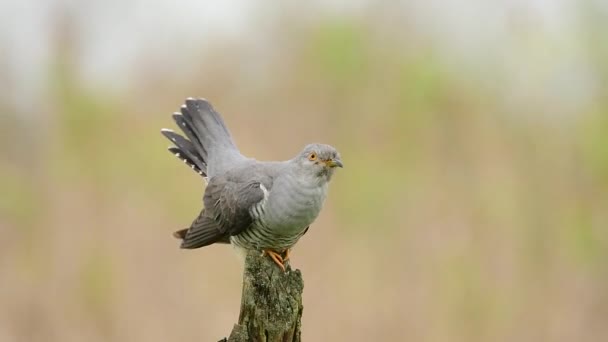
<point>473,205</point>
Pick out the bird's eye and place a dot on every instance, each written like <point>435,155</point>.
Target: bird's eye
<point>312,156</point>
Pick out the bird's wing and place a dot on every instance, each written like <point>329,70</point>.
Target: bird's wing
<point>203,232</point>
<point>228,203</point>
<point>232,199</point>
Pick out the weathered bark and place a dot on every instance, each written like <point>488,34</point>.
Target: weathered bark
<point>271,303</point>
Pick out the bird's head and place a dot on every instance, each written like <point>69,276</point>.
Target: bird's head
<point>319,160</point>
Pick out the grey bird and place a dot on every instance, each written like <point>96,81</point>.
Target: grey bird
<point>260,205</point>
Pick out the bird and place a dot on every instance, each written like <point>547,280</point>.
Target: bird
<point>254,205</point>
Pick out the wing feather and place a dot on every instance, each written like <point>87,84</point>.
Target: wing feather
<point>204,231</point>
<point>228,202</point>
<point>231,202</point>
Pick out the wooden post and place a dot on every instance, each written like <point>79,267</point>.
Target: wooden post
<point>271,303</point>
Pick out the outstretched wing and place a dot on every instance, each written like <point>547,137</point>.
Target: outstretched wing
<point>227,212</point>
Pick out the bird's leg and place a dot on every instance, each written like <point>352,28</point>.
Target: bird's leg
<point>287,251</point>
<point>276,257</point>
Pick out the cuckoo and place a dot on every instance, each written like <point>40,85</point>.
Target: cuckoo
<point>251,204</point>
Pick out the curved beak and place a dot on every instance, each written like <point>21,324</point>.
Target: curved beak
<point>334,163</point>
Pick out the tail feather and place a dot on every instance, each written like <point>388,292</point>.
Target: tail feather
<point>181,234</point>
<point>207,141</point>
<point>186,151</point>
<point>208,123</point>
<point>185,124</point>
<point>186,159</point>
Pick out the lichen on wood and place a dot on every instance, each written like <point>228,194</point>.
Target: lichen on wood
<point>271,302</point>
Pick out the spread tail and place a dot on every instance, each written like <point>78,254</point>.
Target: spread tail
<point>206,135</point>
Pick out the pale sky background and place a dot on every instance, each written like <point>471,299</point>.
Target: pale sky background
<point>114,36</point>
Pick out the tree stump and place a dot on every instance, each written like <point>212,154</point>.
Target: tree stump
<point>271,303</point>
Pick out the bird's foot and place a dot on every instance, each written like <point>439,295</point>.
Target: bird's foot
<point>276,257</point>
<point>287,251</point>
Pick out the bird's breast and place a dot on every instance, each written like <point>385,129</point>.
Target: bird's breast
<point>282,217</point>
<point>293,207</point>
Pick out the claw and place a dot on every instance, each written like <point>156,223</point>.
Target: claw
<point>276,257</point>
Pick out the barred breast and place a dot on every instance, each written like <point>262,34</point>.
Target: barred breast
<point>283,216</point>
